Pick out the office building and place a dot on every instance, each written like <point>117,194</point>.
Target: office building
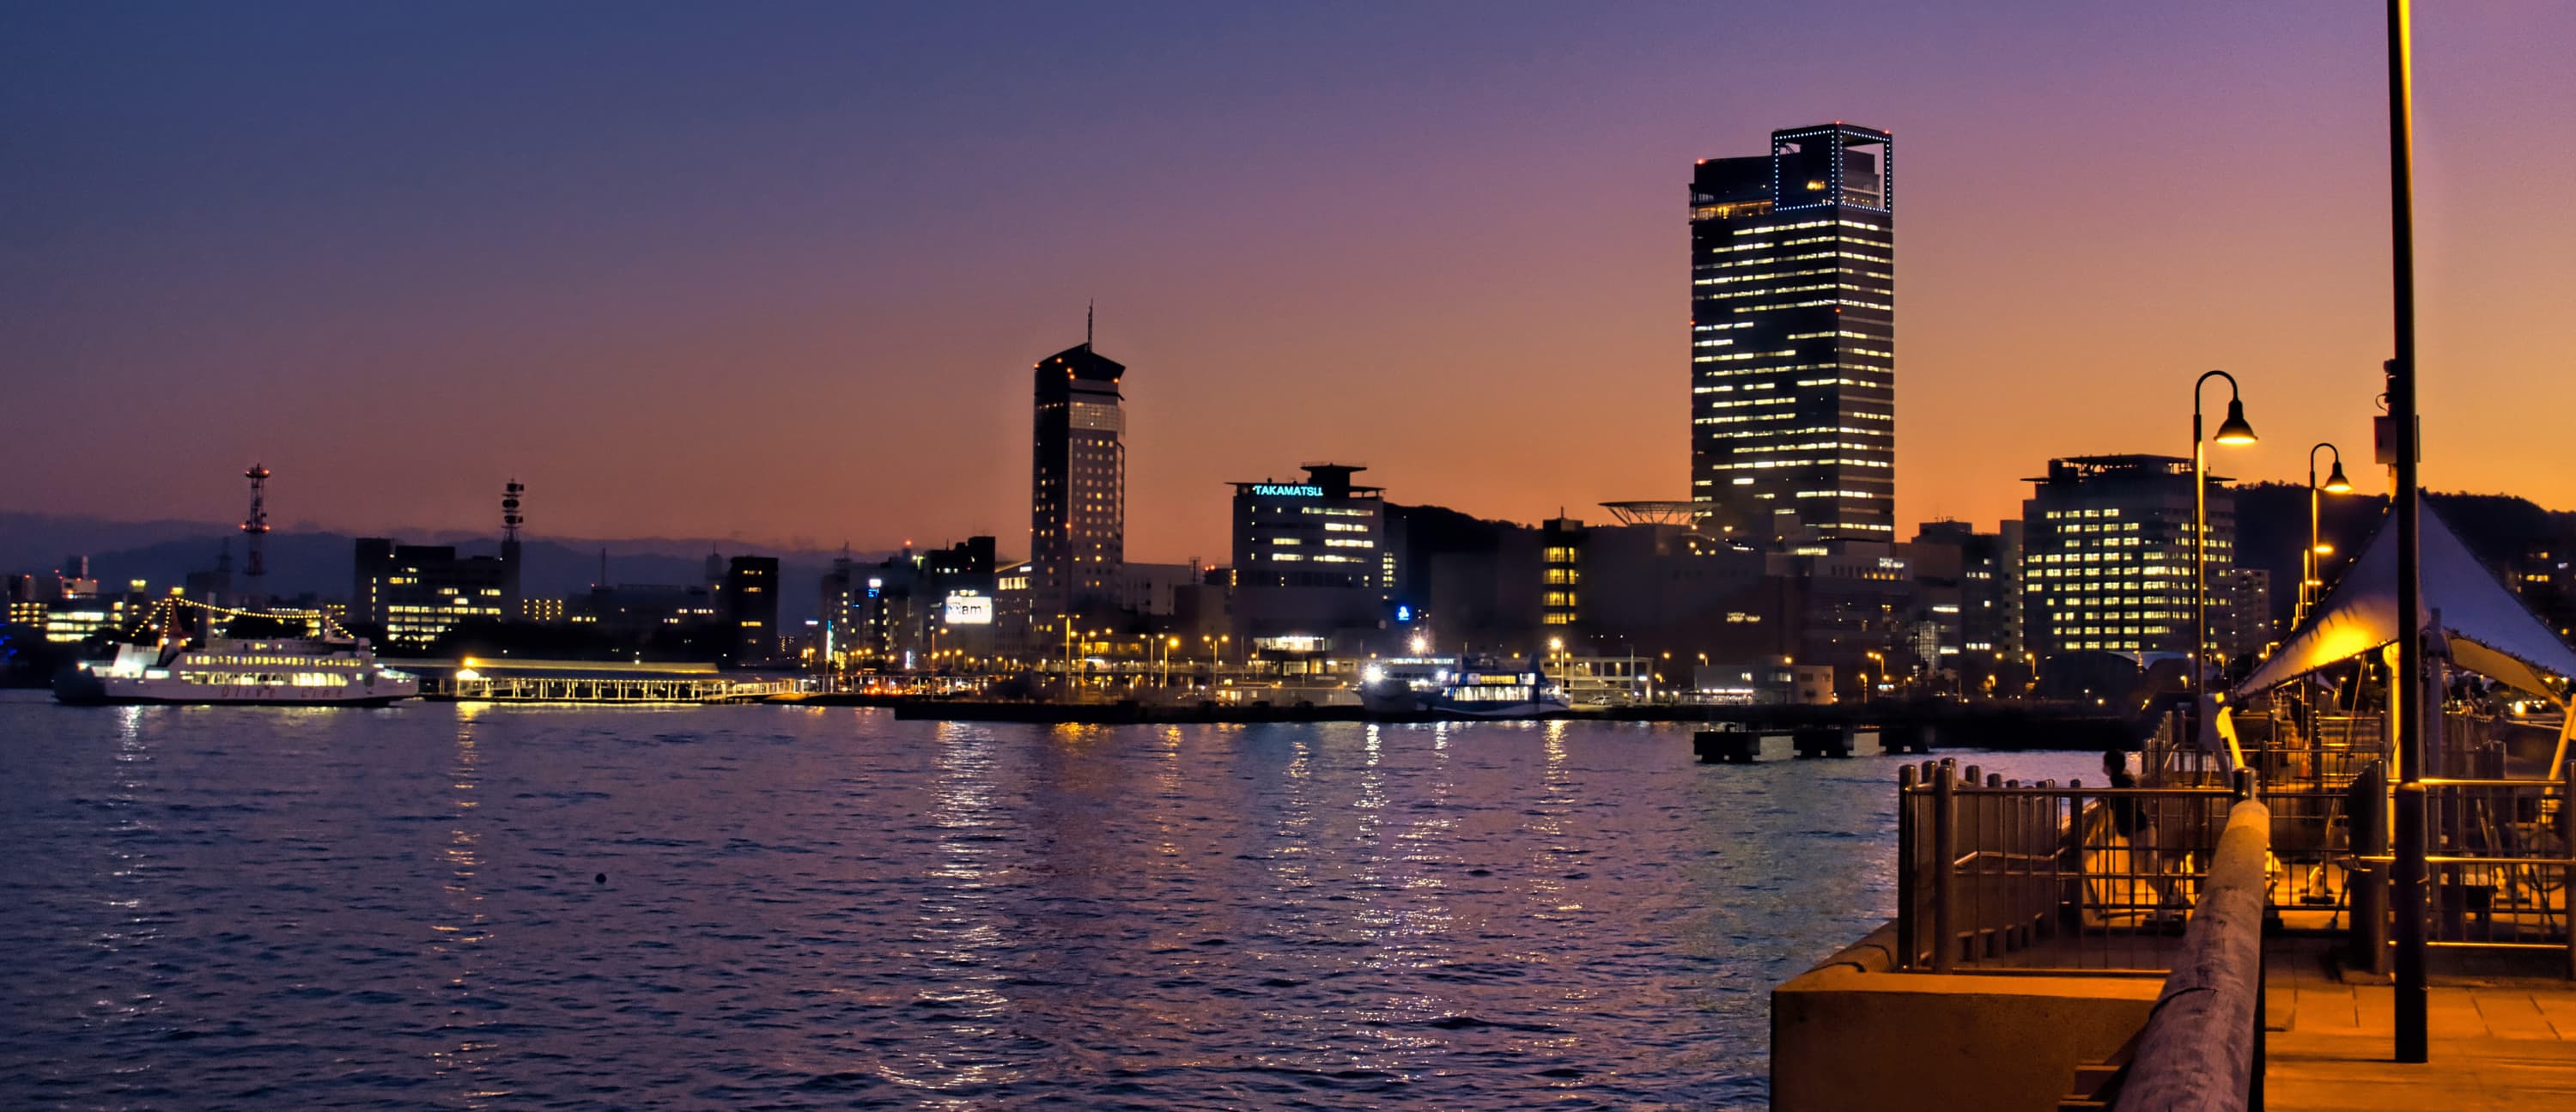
<point>1793,348</point>
<point>417,593</point>
<point>2240,612</point>
<point>903,612</point>
<point>1969,583</point>
<point>1078,485</point>
<point>1651,587</point>
<point>1307,561</point>
<point>751,609</point>
<point>662,616</point>
<point>2107,554</point>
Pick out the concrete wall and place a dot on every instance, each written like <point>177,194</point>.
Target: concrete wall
<point>1850,1034</point>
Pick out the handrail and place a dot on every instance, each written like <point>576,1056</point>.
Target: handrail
<point>2202,1047</point>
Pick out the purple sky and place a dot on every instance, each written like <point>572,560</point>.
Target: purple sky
<point>780,271</point>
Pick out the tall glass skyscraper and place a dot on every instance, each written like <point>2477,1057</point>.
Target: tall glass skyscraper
<point>1078,485</point>
<point>1793,337</point>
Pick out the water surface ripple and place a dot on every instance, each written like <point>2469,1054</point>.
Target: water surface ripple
<point>404,908</point>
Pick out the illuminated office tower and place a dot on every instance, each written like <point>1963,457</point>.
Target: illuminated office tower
<point>1793,337</point>
<point>1078,485</point>
<point>2106,555</point>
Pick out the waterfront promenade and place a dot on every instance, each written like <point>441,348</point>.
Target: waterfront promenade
<point>2498,1042</point>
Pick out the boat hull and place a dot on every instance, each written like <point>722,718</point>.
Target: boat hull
<point>78,689</point>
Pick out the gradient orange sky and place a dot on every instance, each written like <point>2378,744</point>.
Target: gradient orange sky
<point>779,273</point>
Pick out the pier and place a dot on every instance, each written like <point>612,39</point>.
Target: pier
<point>589,681</point>
<point>2207,941</point>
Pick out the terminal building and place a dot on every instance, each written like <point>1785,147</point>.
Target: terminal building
<point>1309,563</point>
<point>1793,338</point>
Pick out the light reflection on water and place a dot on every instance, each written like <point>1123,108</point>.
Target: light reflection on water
<point>459,906</point>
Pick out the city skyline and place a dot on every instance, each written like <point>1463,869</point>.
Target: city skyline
<point>602,308</point>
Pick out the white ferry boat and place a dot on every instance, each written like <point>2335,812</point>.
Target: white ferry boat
<point>1460,687</point>
<point>296,672</point>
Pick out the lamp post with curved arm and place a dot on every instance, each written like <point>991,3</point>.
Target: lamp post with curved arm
<point>2233,430</point>
<point>2313,566</point>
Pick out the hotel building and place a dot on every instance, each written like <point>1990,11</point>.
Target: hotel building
<point>1078,485</point>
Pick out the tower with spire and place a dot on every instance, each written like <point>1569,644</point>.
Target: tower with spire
<point>1078,482</point>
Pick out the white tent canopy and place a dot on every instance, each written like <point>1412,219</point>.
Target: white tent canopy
<point>2489,629</point>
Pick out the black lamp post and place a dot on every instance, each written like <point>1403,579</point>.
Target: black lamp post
<point>2410,1010</point>
<point>2232,431</point>
<point>2313,565</point>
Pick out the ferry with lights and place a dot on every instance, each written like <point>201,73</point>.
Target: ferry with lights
<point>327,669</point>
<point>1458,687</point>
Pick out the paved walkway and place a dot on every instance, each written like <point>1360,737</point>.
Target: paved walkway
<point>2500,1042</point>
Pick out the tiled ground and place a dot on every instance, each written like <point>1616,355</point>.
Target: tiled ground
<point>2497,1042</point>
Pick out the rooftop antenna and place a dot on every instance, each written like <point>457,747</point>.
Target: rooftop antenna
<point>510,517</point>
<point>1089,310</point>
<point>256,525</point>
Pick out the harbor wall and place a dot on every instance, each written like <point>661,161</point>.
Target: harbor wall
<point>1852,1033</point>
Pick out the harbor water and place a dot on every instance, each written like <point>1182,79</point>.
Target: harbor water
<point>462,906</point>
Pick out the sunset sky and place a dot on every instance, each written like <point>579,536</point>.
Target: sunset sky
<point>779,271</point>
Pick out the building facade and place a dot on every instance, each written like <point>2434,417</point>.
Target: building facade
<point>2240,612</point>
<point>1308,560</point>
<point>1078,485</point>
<point>2107,555</point>
<point>416,593</point>
<point>1793,337</point>
<point>751,608</point>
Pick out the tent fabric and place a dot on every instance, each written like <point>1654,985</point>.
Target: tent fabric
<point>2361,614</point>
<point>2497,666</point>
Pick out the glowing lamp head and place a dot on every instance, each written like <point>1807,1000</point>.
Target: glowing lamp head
<point>2324,549</point>
<point>2234,430</point>
<point>1421,645</point>
<point>2336,483</point>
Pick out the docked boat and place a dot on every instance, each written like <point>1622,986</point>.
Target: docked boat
<point>1461,687</point>
<point>297,672</point>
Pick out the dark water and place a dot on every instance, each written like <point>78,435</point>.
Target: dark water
<point>827,908</point>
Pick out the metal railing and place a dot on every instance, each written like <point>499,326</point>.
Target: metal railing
<point>2500,855</point>
<point>2001,876</point>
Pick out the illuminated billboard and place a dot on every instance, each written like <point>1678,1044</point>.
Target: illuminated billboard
<point>966,609</point>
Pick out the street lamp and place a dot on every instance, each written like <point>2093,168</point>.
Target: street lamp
<point>2313,566</point>
<point>2232,431</point>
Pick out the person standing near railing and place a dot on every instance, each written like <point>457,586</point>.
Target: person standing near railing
<point>2137,830</point>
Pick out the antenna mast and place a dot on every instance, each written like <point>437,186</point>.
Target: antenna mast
<point>256,528</point>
